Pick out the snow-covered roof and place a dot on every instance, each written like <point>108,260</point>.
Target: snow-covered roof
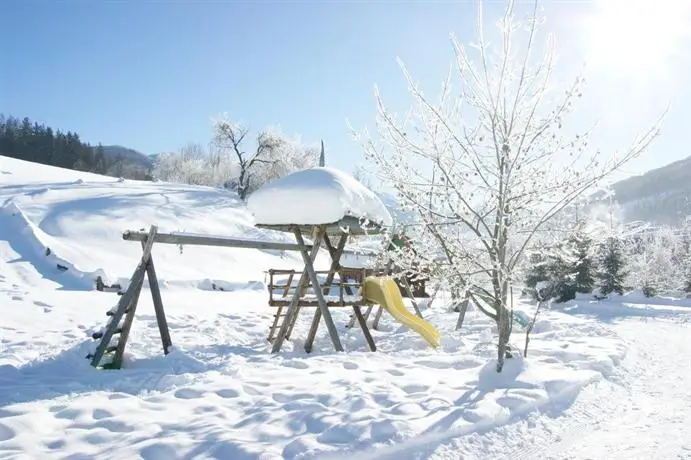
<point>316,196</point>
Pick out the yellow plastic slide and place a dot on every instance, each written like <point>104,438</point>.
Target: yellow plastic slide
<point>384,291</point>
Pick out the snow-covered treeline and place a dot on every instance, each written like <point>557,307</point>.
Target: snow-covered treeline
<point>655,261</point>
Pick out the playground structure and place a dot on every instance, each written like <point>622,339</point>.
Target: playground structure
<point>354,288</point>
<point>318,202</point>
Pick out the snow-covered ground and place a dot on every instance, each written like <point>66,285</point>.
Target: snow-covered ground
<point>602,380</point>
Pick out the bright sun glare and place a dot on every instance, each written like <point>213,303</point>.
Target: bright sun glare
<point>637,36</point>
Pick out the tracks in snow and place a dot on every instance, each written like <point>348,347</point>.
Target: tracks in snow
<point>643,411</point>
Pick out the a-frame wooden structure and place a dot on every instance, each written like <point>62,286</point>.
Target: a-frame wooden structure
<point>126,308</point>
<point>324,234</point>
<point>113,338</point>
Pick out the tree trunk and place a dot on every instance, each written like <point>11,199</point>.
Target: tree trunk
<point>504,330</point>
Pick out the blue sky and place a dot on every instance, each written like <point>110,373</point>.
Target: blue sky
<point>150,74</point>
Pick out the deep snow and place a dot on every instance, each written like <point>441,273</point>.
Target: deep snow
<point>221,393</point>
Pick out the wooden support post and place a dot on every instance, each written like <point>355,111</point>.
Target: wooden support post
<point>406,285</point>
<point>301,288</point>
<point>158,304</point>
<point>309,268</point>
<point>377,317</point>
<point>335,265</point>
<point>293,308</point>
<point>365,330</point>
<point>461,315</point>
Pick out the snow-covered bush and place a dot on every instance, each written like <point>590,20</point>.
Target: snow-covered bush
<point>192,165</point>
<point>655,261</point>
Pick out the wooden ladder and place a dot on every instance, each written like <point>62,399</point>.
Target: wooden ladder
<point>126,308</point>
<point>279,316</point>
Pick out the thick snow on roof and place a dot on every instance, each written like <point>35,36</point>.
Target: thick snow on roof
<point>316,196</point>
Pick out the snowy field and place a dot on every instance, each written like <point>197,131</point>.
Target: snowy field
<point>222,394</point>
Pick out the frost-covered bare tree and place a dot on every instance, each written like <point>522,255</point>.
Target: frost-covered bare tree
<point>486,165</point>
<point>190,165</point>
<point>272,156</point>
<point>655,261</point>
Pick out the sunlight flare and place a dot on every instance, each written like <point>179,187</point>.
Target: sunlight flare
<point>638,38</point>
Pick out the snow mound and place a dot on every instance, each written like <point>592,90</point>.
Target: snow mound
<point>315,196</point>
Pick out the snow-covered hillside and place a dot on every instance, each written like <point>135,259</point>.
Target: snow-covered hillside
<point>220,393</point>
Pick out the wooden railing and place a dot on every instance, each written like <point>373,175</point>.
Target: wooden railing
<point>282,283</point>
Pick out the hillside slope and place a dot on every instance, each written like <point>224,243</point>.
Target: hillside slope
<point>130,157</point>
<point>81,217</point>
<point>660,196</point>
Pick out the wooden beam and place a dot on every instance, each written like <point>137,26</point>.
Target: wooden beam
<point>209,240</point>
<point>377,317</point>
<point>158,305</point>
<point>353,226</point>
<point>293,308</point>
<point>119,354</point>
<point>365,330</point>
<point>309,268</point>
<point>335,254</point>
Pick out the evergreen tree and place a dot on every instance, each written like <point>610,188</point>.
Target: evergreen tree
<point>584,279</point>
<point>100,160</point>
<point>537,270</point>
<point>558,266</point>
<point>611,266</point>
<point>38,143</point>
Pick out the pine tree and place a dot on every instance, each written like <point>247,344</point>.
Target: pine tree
<point>537,270</point>
<point>584,279</point>
<point>557,265</point>
<point>611,267</point>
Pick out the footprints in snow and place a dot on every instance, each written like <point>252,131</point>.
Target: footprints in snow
<point>191,393</point>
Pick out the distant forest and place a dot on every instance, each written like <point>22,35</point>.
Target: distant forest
<point>31,141</point>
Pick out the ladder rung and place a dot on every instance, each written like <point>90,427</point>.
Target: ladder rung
<point>112,313</point>
<point>99,335</point>
<point>111,349</point>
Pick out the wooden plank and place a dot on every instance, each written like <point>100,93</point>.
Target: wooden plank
<point>365,330</point>
<point>210,240</point>
<point>315,303</point>
<point>309,268</point>
<point>335,254</point>
<point>158,305</point>
<point>352,224</point>
<point>124,303</point>
<point>293,307</point>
